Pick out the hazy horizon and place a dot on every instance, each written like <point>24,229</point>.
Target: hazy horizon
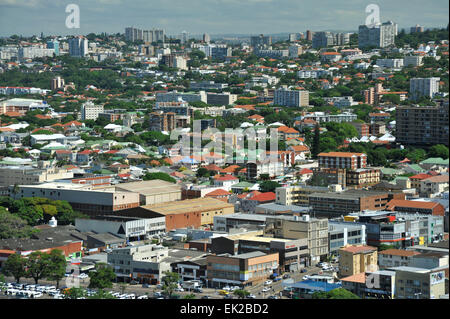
<point>215,17</point>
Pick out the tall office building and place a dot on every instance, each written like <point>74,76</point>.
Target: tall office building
<point>293,37</point>
<point>260,41</point>
<point>426,87</point>
<point>324,39</point>
<point>309,35</point>
<point>53,44</point>
<point>381,35</point>
<point>148,36</point>
<point>57,83</point>
<point>206,38</point>
<point>416,28</point>
<point>184,37</point>
<point>422,125</point>
<point>78,46</point>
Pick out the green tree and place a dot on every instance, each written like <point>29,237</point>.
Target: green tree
<point>189,296</point>
<point>102,294</point>
<point>170,282</point>
<point>161,176</point>
<point>315,149</point>
<point>439,150</point>
<point>57,266</point>
<point>102,277</point>
<point>268,186</point>
<point>14,266</point>
<point>74,293</point>
<point>37,265</point>
<point>338,293</point>
<point>12,226</point>
<point>241,293</point>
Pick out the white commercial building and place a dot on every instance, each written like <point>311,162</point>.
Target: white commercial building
<point>90,111</point>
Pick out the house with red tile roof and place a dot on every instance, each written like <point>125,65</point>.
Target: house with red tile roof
<point>219,194</point>
<point>225,181</point>
<point>249,204</point>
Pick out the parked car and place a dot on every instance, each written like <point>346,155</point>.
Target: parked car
<point>142,297</point>
<point>306,277</point>
<point>145,286</point>
<point>268,282</point>
<point>277,279</point>
<point>251,296</point>
<point>226,288</point>
<point>223,292</point>
<point>265,289</point>
<point>198,290</point>
<point>157,294</point>
<point>206,297</point>
<point>303,270</point>
<point>179,289</point>
<point>272,297</point>
<point>286,276</point>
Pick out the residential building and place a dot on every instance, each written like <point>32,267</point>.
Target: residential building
<point>413,60</point>
<point>381,35</point>
<point>90,111</point>
<point>297,194</point>
<point>355,259</point>
<point>390,63</point>
<point>423,87</point>
<point>433,186</point>
<point>175,96</point>
<point>260,41</point>
<point>221,98</point>
<point>153,191</point>
<point>271,168</point>
<point>422,125</point>
<point>291,98</point>
<point>347,160</point>
<point>162,122</point>
<point>78,47</point>
<point>414,207</point>
<point>57,83</point>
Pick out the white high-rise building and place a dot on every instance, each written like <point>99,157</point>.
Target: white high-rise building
<point>78,46</point>
<point>90,111</point>
<point>381,35</point>
<point>206,38</point>
<point>426,87</point>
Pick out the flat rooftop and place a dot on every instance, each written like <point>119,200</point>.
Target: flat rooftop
<point>350,194</point>
<point>153,187</point>
<point>188,206</point>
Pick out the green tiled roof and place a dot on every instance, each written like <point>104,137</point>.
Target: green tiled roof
<point>435,160</point>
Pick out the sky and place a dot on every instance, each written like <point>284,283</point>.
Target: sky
<point>31,17</point>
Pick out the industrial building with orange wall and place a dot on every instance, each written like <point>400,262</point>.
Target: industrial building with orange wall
<point>191,212</point>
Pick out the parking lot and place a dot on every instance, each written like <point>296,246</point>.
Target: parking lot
<point>47,290</point>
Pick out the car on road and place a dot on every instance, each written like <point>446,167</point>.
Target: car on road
<point>272,297</point>
<point>306,277</point>
<point>83,276</point>
<point>229,296</point>
<point>226,288</point>
<point>198,290</point>
<point>205,297</point>
<point>251,296</point>
<point>146,286</point>
<point>179,289</point>
<point>268,282</point>
<point>134,282</point>
<point>142,297</point>
<point>157,294</point>
<point>266,289</point>
<point>223,292</point>
<point>286,276</point>
<point>276,279</point>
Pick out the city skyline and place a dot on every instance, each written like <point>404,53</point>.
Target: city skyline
<point>31,17</point>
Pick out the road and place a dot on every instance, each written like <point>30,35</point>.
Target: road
<point>138,290</point>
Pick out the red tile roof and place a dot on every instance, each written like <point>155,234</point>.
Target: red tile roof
<point>264,197</point>
<point>218,192</point>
